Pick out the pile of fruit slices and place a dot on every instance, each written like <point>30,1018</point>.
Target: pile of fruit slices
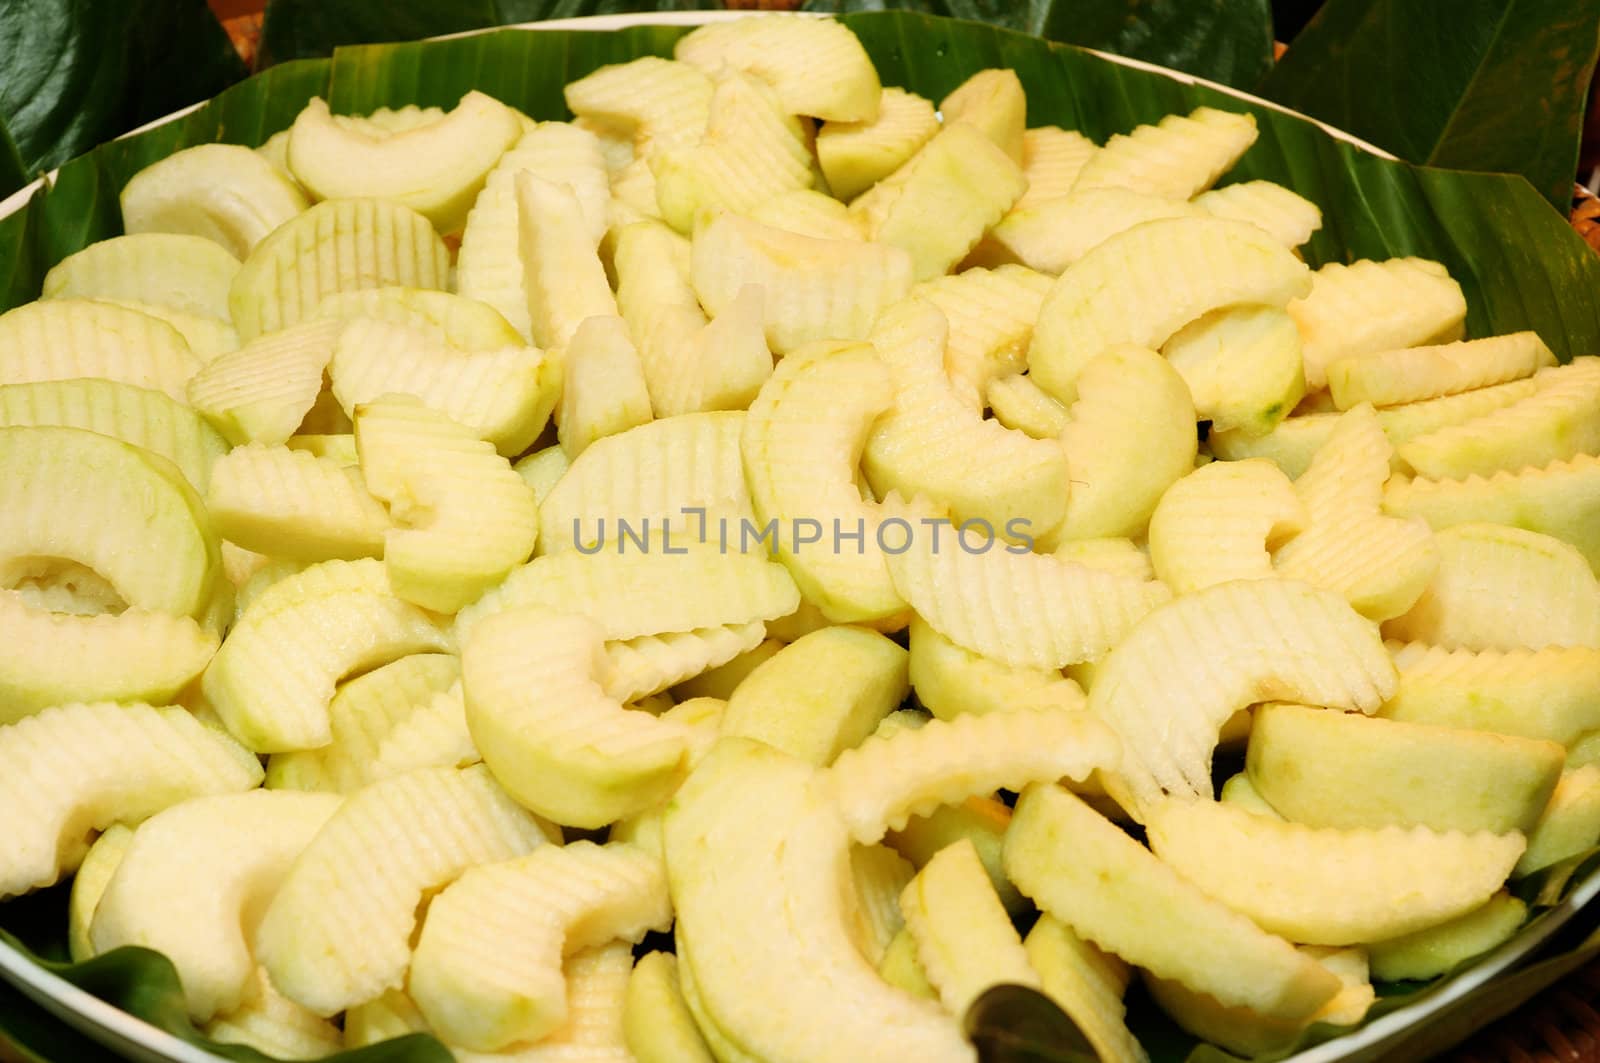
<point>874,493</point>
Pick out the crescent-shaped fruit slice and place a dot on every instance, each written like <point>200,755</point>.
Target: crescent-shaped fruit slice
<point>649,664</point>
<point>1412,374</point>
<point>661,102</point>
<point>1335,769</point>
<point>597,987</point>
<point>817,66</point>
<point>436,168</point>
<point>274,1025</point>
<point>293,504</point>
<point>334,247</point>
<point>1329,886</point>
<point>222,192</point>
<point>1024,609</point>
<point>1167,695</point>
<point>463,518</point>
<point>462,323</point>
<point>856,155</point>
<point>1290,218</point>
<point>656,1021</point>
<point>930,442</point>
<point>1243,367</point>
<point>547,730</point>
<point>1084,870</point>
<point>194,879</point>
<point>338,931</point>
<point>1501,588</point>
<point>1218,523</point>
<point>886,780</point>
<point>1428,953</point>
<point>1381,564</point>
<point>274,676</point>
<point>990,313</point>
<point>1050,235</point>
<point>1144,284</point>
<point>772,920</point>
<point>207,337</point>
<point>1177,157</point>
<point>89,884</point>
<point>1551,693</point>
<point>822,694</point>
<point>71,339</point>
<point>188,273</point>
<point>487,975</point>
<point>75,769</point>
<point>951,680</point>
<point>70,495</point>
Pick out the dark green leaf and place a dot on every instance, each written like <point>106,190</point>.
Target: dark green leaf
<point>1494,85</point>
<point>1224,40</point>
<point>79,72</point>
<point>1015,1024</point>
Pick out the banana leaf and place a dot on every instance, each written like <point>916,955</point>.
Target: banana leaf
<point>1225,40</point>
<point>1494,85</point>
<point>77,73</point>
<point>1519,263</point>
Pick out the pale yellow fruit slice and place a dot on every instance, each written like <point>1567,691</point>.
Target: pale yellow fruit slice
<point>275,149</point>
<point>856,155</point>
<point>640,591</point>
<point>1500,588</point>
<point>1330,886</point>
<point>721,681</point>
<point>1020,608</point>
<point>1371,306</point>
<point>362,715</point>
<point>338,931</point>
<point>140,416</point>
<point>880,876</point>
<point>813,289</point>
<point>597,986</point>
<point>294,504</point>
<point>1167,697</point>
<point>679,472</point>
<point>1083,870</point>
<point>68,339</point>
<point>1177,157</point>
<point>808,212</point>
<point>195,878</point>
<point>585,895</point>
<point>189,273</point>
<point>990,313</point>
<point>664,103</point>
<point>547,729</point>
<point>1179,269</point>
<point>1560,420</point>
<point>931,443</point>
<point>802,439</point>
<point>1570,825</point>
<point>887,779</point>
<point>394,1014</point>
<point>223,192</point>
<point>951,680</point>
<point>387,121</point>
<point>775,915</point>
<point>489,265</point>
<point>207,337</point>
<point>274,676</point>
<point>1288,217</point>
<point>649,664</point>
<point>505,396</point>
<point>561,270</point>
<point>463,519</point>
<point>939,204</point>
<point>274,1025</point>
<point>1333,769</point>
<point>1430,952</point>
<point>264,391</point>
<point>70,495</point>
<point>1051,234</point>
<point>89,884</point>
<point>753,148</point>
<point>900,968</point>
<point>1381,564</point>
<point>1219,523</point>
<point>1086,984</point>
<point>656,1021</point>
<point>1561,499</point>
<point>1130,436</point>
<point>1112,554</point>
<point>434,736</point>
<point>993,102</point>
<point>1551,693</point>
<point>1389,378</point>
<point>542,470</point>
<point>339,245</point>
<point>1052,158</point>
<point>821,694</point>
<point>817,66</point>
<point>603,389</point>
<point>1293,442</point>
<point>964,940</point>
<point>131,656</point>
<point>436,167</point>
<point>1242,365</point>
<point>76,769</point>
<point>1020,404</point>
<point>464,323</point>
